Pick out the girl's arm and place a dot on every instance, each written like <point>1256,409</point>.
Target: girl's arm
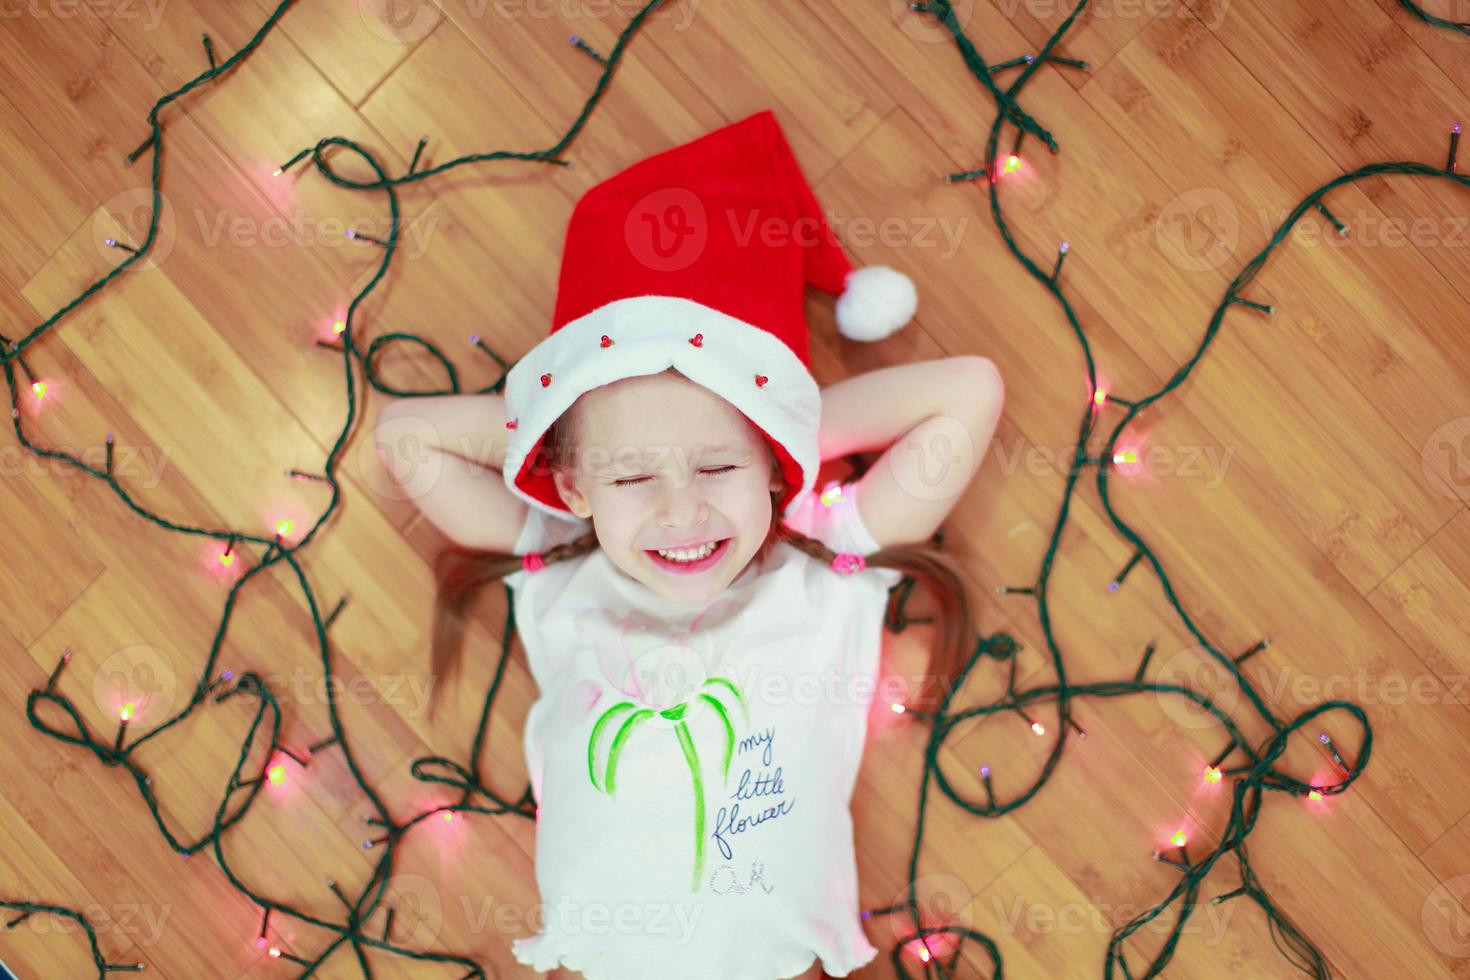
<point>936,419</point>
<point>446,455</point>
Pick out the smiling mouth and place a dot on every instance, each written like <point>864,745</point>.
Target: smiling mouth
<point>685,560</point>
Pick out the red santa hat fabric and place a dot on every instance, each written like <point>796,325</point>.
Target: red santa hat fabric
<point>697,258</point>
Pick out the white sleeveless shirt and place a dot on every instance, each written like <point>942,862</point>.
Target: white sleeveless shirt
<point>694,767</point>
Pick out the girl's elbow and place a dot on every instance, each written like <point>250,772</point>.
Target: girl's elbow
<point>983,380</point>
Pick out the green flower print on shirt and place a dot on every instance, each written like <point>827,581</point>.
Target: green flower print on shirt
<point>638,663</point>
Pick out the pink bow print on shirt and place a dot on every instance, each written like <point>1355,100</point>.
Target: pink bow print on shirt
<point>662,672</point>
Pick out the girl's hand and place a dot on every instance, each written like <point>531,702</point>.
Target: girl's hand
<point>937,419</point>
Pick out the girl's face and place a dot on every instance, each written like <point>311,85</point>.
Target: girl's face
<point>660,462</point>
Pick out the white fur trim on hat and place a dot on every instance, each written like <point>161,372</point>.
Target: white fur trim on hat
<point>876,300</point>
<point>650,334</point>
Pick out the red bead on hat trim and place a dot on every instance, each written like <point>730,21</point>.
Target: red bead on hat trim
<point>606,341</point>
<point>545,380</point>
<point>697,340</point>
<point>510,424</point>
<point>760,380</point>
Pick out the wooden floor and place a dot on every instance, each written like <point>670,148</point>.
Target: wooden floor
<point>1306,484</point>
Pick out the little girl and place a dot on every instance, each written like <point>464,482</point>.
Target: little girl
<point>702,624</point>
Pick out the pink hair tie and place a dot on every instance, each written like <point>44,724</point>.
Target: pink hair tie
<point>531,561</point>
<point>845,563</point>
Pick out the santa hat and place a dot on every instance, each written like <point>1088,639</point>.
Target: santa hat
<point>696,258</point>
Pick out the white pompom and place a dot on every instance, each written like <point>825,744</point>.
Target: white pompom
<point>876,300</point>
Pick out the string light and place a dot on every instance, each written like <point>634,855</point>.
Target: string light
<point>1056,270</point>
<point>1212,774</point>
<point>60,666</point>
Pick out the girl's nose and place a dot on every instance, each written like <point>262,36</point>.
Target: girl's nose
<point>683,506</point>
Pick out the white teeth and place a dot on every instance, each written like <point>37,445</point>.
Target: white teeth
<point>689,554</point>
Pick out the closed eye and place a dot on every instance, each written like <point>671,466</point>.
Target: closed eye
<point>713,471</point>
